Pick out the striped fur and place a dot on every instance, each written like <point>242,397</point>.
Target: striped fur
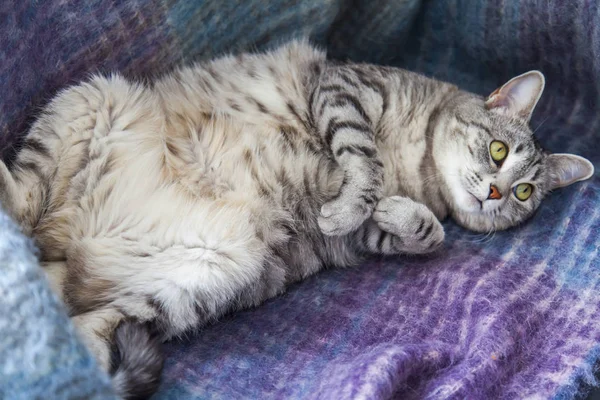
<point>221,183</point>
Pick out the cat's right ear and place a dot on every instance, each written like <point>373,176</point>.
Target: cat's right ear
<point>519,96</point>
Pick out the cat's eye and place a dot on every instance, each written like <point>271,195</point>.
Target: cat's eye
<point>523,191</point>
<point>498,151</point>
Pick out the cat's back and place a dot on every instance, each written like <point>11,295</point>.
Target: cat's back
<point>252,88</point>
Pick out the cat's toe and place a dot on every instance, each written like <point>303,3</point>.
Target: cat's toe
<point>339,218</point>
<point>413,223</point>
<point>397,215</point>
<point>392,208</point>
<point>428,236</point>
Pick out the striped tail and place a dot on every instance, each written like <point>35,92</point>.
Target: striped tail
<point>136,362</point>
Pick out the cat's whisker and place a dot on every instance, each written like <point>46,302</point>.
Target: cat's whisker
<point>540,125</point>
<point>490,235</point>
<point>483,237</point>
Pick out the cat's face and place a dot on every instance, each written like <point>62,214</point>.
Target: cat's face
<point>495,173</point>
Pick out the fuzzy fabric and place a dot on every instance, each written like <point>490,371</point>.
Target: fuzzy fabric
<point>511,315</point>
<point>40,355</point>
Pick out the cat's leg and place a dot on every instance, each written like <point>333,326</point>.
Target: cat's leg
<point>346,113</point>
<point>175,274</point>
<point>55,138</point>
<point>127,349</point>
<point>10,197</point>
<point>24,189</point>
<point>181,268</point>
<point>400,226</point>
<point>56,272</point>
<point>58,140</point>
<point>96,329</point>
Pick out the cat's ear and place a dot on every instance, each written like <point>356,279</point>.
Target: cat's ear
<point>566,169</point>
<point>519,96</point>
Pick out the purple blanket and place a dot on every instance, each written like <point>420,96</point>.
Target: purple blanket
<point>511,315</point>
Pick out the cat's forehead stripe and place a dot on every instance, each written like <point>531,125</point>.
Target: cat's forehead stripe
<point>526,166</point>
<point>475,124</point>
<point>534,162</point>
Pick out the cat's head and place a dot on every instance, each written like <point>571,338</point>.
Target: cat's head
<point>494,171</point>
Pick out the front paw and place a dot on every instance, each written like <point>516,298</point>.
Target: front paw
<point>342,216</point>
<point>413,223</point>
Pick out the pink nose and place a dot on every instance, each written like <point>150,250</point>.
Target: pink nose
<point>494,193</point>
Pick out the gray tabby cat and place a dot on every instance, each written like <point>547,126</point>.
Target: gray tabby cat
<point>212,189</point>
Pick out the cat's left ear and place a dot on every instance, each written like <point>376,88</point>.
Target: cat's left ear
<point>566,169</point>
<point>519,96</point>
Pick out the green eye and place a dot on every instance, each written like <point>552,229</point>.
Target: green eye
<point>523,191</point>
<point>498,151</point>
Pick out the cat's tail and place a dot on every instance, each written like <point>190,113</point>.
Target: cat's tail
<point>137,360</point>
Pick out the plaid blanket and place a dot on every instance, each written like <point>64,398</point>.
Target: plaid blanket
<point>513,315</point>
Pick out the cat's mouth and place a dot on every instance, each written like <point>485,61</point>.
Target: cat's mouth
<point>472,203</point>
<point>476,205</point>
<point>478,202</point>
<point>464,198</point>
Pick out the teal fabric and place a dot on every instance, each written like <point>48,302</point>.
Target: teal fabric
<point>41,357</point>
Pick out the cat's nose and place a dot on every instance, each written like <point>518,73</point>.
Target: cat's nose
<point>494,193</point>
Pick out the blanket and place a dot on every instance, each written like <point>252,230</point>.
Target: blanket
<point>511,315</point>
<point>41,355</point>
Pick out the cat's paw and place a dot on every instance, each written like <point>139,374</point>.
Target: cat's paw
<point>413,223</point>
<point>342,216</point>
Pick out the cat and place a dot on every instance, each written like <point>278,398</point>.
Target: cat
<point>158,207</point>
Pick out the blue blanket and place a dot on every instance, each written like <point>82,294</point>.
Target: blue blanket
<point>512,315</point>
